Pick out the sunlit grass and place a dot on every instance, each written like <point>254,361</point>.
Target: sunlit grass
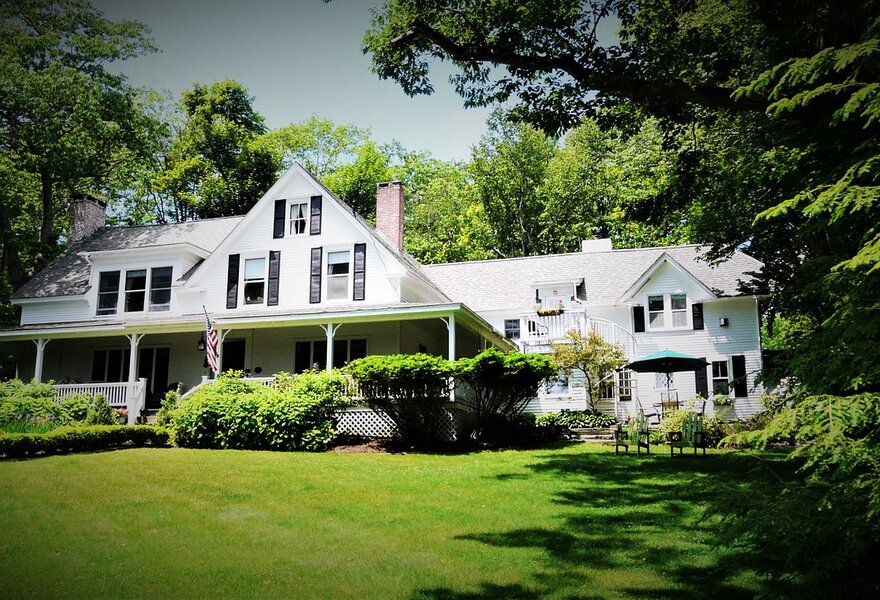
<point>574,521</point>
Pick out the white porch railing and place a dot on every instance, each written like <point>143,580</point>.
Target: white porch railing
<point>541,330</point>
<point>131,396</point>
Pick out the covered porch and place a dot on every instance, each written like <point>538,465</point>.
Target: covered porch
<point>94,358</point>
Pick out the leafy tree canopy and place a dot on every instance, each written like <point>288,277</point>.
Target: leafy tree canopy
<point>66,122</point>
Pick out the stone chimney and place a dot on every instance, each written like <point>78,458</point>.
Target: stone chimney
<point>599,245</point>
<point>389,212</point>
<point>87,215</point>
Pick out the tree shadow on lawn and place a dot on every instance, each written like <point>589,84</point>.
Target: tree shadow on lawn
<point>655,519</point>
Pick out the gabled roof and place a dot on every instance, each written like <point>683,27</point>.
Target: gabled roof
<point>68,275</point>
<point>505,284</point>
<point>663,259</point>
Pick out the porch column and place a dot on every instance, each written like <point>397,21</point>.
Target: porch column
<point>450,326</point>
<point>221,336</point>
<point>38,363</point>
<point>330,330</point>
<point>133,340</point>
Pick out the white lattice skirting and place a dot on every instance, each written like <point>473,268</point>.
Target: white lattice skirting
<point>364,422</point>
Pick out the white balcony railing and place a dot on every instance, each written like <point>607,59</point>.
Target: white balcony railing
<point>541,330</point>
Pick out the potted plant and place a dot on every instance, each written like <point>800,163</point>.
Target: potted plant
<point>723,406</point>
<point>550,310</point>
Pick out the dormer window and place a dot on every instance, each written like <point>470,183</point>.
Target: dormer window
<point>667,311</point>
<point>108,293</point>
<point>679,310</point>
<point>160,289</point>
<point>299,218</point>
<point>254,280</point>
<point>135,290</point>
<point>656,312</point>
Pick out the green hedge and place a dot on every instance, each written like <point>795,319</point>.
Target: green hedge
<point>577,418</point>
<point>80,439</point>
<point>295,414</point>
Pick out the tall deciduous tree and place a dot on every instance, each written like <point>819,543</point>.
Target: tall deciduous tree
<point>66,121</point>
<point>215,164</point>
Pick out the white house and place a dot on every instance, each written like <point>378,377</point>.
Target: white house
<point>301,280</point>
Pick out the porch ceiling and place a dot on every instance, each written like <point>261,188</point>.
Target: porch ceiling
<point>259,320</point>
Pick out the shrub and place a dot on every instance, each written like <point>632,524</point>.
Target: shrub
<point>80,439</point>
<point>714,429</point>
<point>411,389</point>
<point>834,548</point>
<point>523,430</point>
<point>502,383</point>
<point>243,414</point>
<point>577,418</point>
<point>76,407</point>
<point>27,407</point>
<point>100,413</point>
<point>167,408</point>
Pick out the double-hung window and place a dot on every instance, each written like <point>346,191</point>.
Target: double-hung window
<point>679,310</point>
<point>299,218</point>
<point>512,329</point>
<point>720,377</point>
<point>160,289</point>
<point>135,290</point>
<point>338,269</point>
<point>254,280</point>
<point>108,292</point>
<point>656,312</point>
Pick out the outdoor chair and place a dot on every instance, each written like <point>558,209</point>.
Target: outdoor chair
<point>634,433</point>
<point>691,435</point>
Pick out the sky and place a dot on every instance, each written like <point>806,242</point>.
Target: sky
<point>298,58</point>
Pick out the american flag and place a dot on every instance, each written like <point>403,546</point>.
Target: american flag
<point>211,343</point>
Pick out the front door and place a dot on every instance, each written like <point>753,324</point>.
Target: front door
<point>153,366</point>
<point>233,355</point>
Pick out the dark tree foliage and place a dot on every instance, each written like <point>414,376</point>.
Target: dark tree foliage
<point>502,383</point>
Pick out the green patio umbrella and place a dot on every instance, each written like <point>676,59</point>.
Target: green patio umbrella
<point>666,361</point>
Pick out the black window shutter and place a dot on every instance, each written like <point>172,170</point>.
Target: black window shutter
<point>278,229</point>
<point>701,378</point>
<point>315,276</point>
<point>360,267</point>
<point>315,216</point>
<point>232,282</point>
<point>740,381</point>
<point>638,319</point>
<point>697,312</point>
<point>274,273</point>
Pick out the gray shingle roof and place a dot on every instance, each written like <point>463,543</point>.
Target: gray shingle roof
<point>504,284</point>
<point>68,275</point>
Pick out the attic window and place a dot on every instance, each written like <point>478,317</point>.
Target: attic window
<point>299,217</point>
<point>655,311</point>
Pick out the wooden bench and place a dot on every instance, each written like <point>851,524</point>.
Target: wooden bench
<point>635,433</point>
<point>690,436</point>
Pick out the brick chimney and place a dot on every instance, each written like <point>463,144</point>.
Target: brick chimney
<point>389,212</point>
<point>87,215</point>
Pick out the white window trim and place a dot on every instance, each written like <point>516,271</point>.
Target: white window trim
<point>243,281</point>
<point>124,292</point>
<point>148,304</point>
<point>290,205</point>
<point>325,275</point>
<point>727,361</point>
<point>667,312</point>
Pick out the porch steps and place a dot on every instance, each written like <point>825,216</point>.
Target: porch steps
<point>594,435</point>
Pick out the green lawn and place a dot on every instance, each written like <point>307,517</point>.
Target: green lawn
<point>568,522</point>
